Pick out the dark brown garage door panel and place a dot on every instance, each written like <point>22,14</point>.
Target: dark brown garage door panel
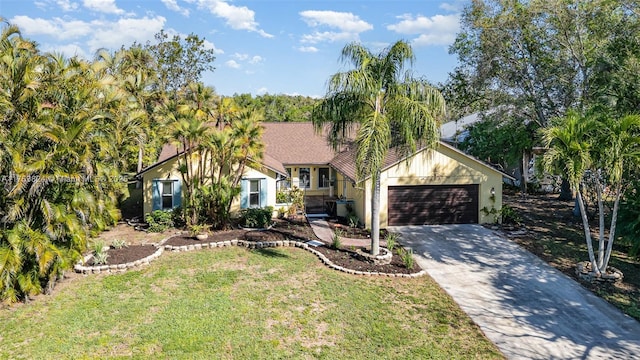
<point>433,204</point>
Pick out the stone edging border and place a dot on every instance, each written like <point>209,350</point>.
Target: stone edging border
<point>235,242</point>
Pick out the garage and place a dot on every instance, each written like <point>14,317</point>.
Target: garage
<point>433,204</point>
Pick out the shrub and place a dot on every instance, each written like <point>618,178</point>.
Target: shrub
<point>353,220</point>
<point>100,258</point>
<point>177,216</point>
<point>99,255</point>
<point>392,241</point>
<point>283,197</point>
<point>407,258</point>
<point>256,217</point>
<point>509,215</point>
<point>159,220</point>
<point>118,244</point>
<point>297,200</point>
<point>198,229</point>
<point>336,242</point>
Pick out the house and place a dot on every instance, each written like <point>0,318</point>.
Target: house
<point>440,186</point>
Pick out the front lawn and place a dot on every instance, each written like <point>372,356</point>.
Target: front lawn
<point>233,303</point>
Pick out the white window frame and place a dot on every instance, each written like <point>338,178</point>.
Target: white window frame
<point>257,192</point>
<point>301,184</point>
<point>327,183</point>
<point>164,195</point>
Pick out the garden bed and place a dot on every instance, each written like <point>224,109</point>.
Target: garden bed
<point>282,229</point>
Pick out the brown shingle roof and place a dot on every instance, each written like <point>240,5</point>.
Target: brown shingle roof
<point>345,162</point>
<point>296,143</point>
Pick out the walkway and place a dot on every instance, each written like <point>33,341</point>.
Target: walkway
<point>323,231</point>
<point>524,306</point>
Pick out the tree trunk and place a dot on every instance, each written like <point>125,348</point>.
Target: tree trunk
<point>600,225</point>
<point>587,233</point>
<point>375,215</point>
<point>612,229</point>
<point>140,155</point>
<point>565,191</point>
<point>524,173</point>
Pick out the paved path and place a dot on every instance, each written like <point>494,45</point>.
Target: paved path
<point>323,231</point>
<point>524,306</point>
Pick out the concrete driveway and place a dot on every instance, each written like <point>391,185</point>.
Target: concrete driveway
<point>524,306</point>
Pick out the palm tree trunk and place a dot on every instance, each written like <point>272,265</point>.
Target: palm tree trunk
<point>140,155</point>
<point>600,224</point>
<point>565,191</point>
<point>612,230</point>
<point>375,215</point>
<point>587,233</point>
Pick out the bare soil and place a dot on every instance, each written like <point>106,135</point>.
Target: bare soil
<point>127,254</point>
<point>347,231</point>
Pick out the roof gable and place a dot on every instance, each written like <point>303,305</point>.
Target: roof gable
<point>344,162</point>
<point>296,143</point>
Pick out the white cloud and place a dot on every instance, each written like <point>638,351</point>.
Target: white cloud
<point>56,27</point>
<point>346,22</point>
<point>209,45</point>
<point>237,17</point>
<point>434,30</point>
<point>344,26</point>
<point>232,64</point>
<point>125,32</point>
<point>308,49</point>
<point>105,6</point>
<point>67,5</point>
<point>241,57</point>
<point>455,6</point>
<point>173,5</point>
<point>329,36</point>
<point>262,91</point>
<point>256,59</point>
<point>69,50</point>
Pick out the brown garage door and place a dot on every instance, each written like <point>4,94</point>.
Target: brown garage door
<point>433,204</point>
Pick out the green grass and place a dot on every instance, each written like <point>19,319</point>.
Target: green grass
<point>234,303</point>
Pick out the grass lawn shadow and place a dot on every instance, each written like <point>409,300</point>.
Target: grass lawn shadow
<point>271,253</point>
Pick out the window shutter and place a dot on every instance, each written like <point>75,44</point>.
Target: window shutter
<point>244,194</point>
<point>263,192</point>
<point>177,193</point>
<point>156,197</point>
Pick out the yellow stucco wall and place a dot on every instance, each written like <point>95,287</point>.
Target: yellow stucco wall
<point>169,171</point>
<point>443,166</point>
<point>314,189</point>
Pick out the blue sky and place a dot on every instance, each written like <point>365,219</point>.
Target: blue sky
<point>262,46</point>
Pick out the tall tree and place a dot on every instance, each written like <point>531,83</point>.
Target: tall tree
<point>180,61</point>
<point>602,149</point>
<point>386,106</point>
<point>534,60</point>
<point>59,170</point>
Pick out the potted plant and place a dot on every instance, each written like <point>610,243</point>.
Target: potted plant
<point>199,231</point>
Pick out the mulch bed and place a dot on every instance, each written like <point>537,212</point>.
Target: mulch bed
<point>127,254</point>
<point>352,232</point>
<point>348,259</point>
<point>282,229</point>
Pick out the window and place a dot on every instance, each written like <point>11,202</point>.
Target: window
<point>305,178</point>
<point>285,181</point>
<point>323,178</point>
<point>167,195</point>
<point>254,193</point>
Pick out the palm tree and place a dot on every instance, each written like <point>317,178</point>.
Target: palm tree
<point>619,145</point>
<point>386,106</point>
<point>569,154</point>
